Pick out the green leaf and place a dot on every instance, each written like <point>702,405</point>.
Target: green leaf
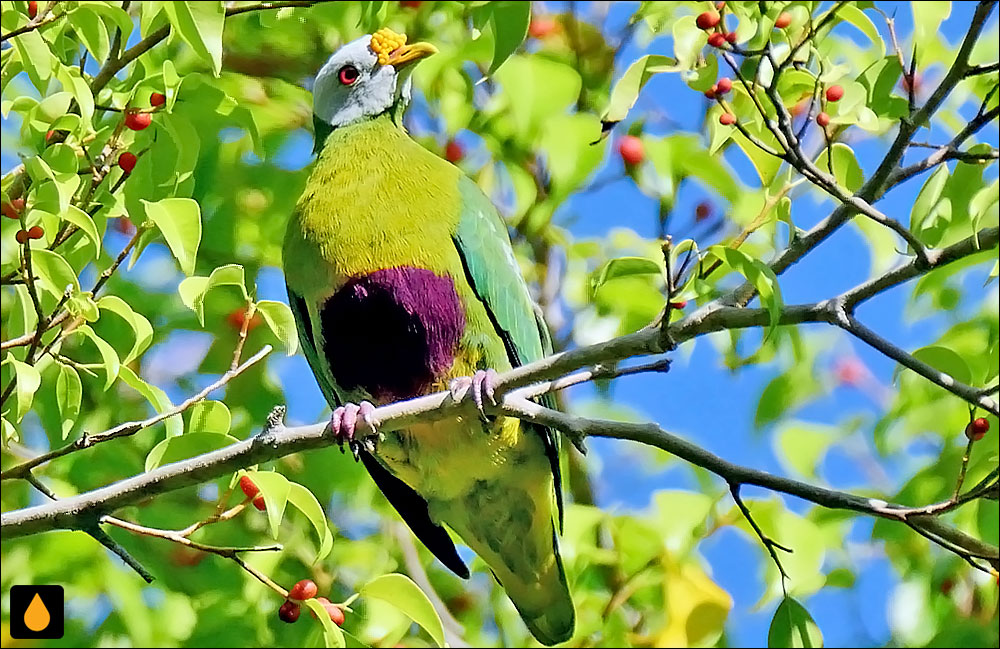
<point>182,447</point>
<point>801,446</point>
<point>401,592</point>
<point>35,56</point>
<point>69,392</point>
<point>855,16</point>
<point>279,318</point>
<point>945,360</point>
<point>200,25</point>
<point>155,396</point>
<point>82,305</point>
<point>82,220</point>
<point>984,203</point>
<point>179,220</point>
<point>209,417</point>
<point>332,635</point>
<point>760,275</point>
<point>840,578</point>
<point>623,267</point>
<point>92,31</point>
<point>510,27</point>
<point>28,379</point>
<point>569,154</point>
<point>275,488</point>
<point>304,500</point>
<point>792,626</point>
<point>927,19</point>
<point>54,272</point>
<point>846,169</point>
<point>109,357</point>
<point>929,196</point>
<point>142,331</point>
<point>193,289</point>
<point>689,41</point>
<point>626,90</point>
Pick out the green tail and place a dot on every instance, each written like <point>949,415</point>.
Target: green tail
<point>554,622</point>
<point>514,533</point>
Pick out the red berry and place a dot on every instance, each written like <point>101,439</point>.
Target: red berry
<point>127,161</point>
<point>730,37</point>
<point>725,85</point>
<point>289,612</point>
<point>49,135</point>
<point>707,20</point>
<point>631,150</point>
<point>21,236</point>
<point>850,371</point>
<point>977,429</point>
<point>947,585</point>
<point>36,232</point>
<point>32,9</point>
<point>727,119</point>
<point>304,589</point>
<point>906,82</point>
<point>13,209</point>
<point>679,304</point>
<point>783,20</point>
<point>248,487</point>
<point>702,211</point>
<point>157,99</point>
<point>834,93</point>
<point>336,614</point>
<point>137,121</point>
<point>258,502</point>
<point>823,119</point>
<point>720,5</point>
<point>717,39</point>
<point>124,226</point>
<point>710,93</point>
<point>799,108</point>
<point>238,316</point>
<point>542,27</point>
<point>453,152</point>
<point>411,4</point>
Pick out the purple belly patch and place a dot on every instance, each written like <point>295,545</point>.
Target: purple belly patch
<point>393,332</point>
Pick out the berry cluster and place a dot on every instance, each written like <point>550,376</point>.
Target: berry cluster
<point>306,589</point>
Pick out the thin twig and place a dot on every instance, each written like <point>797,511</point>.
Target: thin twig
<point>770,544</point>
<point>132,427</point>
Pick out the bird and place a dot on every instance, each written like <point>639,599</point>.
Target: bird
<point>403,282</point>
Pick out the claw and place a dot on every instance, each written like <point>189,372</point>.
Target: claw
<point>344,424</point>
<point>483,382</point>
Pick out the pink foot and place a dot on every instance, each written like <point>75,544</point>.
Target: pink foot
<point>344,427</point>
<point>483,382</point>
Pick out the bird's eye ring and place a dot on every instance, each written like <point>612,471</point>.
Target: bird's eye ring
<point>348,75</point>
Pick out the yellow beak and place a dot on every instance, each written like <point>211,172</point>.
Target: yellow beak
<point>406,54</point>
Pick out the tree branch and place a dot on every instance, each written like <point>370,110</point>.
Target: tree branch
<point>520,384</point>
<point>132,427</point>
<point>114,64</point>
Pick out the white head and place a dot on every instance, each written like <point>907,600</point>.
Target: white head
<point>366,77</point>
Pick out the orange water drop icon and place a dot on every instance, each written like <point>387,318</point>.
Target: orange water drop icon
<point>36,617</point>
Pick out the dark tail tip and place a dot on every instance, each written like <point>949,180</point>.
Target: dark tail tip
<point>556,625</point>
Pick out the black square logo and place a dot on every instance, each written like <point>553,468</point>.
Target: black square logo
<point>36,612</point>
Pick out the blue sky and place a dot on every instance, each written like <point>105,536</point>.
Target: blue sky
<point>701,399</point>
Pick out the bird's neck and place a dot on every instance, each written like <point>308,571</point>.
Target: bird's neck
<point>322,130</point>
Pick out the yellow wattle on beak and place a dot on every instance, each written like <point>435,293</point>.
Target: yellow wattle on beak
<point>404,55</point>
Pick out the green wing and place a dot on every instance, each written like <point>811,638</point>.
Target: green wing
<point>490,266</point>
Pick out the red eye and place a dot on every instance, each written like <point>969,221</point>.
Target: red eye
<point>348,75</point>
